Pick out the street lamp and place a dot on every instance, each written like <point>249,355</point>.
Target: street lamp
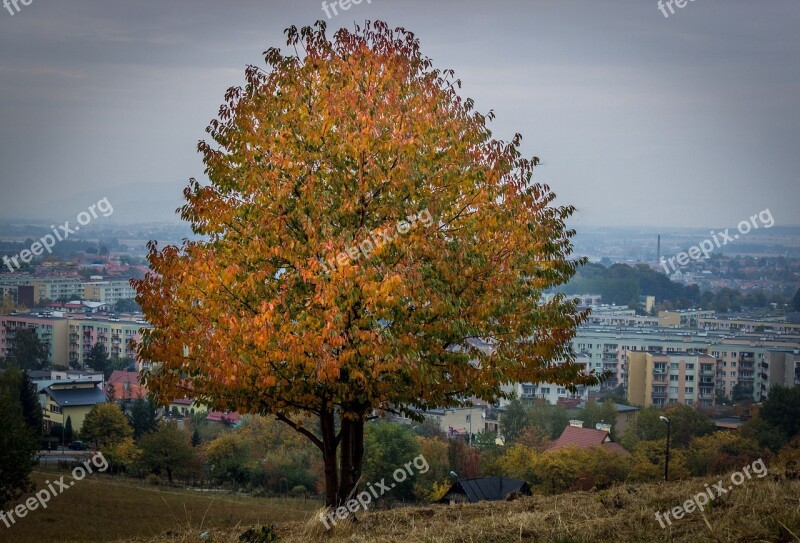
<point>666,461</point>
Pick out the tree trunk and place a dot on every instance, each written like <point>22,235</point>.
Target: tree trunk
<point>329,447</point>
<point>342,470</point>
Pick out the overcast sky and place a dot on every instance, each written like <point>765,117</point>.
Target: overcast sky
<point>690,120</point>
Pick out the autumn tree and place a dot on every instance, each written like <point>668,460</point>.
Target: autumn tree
<point>167,450</point>
<point>363,245</point>
<point>106,424</point>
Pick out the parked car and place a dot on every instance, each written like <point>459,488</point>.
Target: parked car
<point>77,446</point>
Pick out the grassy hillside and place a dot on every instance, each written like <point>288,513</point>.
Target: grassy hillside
<point>759,510</point>
<point>108,510</point>
<point>102,509</point>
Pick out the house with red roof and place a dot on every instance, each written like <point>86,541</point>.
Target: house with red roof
<point>575,435</point>
<point>124,385</point>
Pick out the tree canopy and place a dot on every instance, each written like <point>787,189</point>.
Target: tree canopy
<point>365,244</point>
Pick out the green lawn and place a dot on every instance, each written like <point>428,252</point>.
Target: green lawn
<point>104,508</point>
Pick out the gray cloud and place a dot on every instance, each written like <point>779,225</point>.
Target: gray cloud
<point>640,120</point>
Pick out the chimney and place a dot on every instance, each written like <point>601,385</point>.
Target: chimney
<point>576,423</point>
<point>603,427</point>
<point>658,250</point>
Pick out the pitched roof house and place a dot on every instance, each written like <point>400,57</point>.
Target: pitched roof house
<point>575,435</point>
<point>124,385</point>
<point>484,488</point>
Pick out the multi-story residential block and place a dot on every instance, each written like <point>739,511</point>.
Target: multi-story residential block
<point>779,368</point>
<point>108,292</point>
<point>658,379</point>
<point>749,326</point>
<point>51,332</point>
<point>57,288</point>
<point>69,340</point>
<point>738,355</point>
<point>118,337</point>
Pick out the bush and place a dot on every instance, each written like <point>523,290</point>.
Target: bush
<point>266,534</point>
<point>299,491</point>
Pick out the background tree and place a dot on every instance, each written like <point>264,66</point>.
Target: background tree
<point>97,359</point>
<point>514,420</point>
<point>796,301</point>
<point>19,438</point>
<point>27,351</point>
<point>126,306</point>
<point>595,413</point>
<point>782,409</point>
<point>142,418</point>
<point>68,431</point>
<point>325,154</point>
<point>389,446</point>
<point>106,424</point>
<point>167,450</point>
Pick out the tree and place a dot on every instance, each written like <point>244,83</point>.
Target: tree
<point>274,310</point>
<point>390,446</point>
<point>167,449</point>
<point>106,424</point>
<point>27,351</point>
<point>227,457</point>
<point>514,420</point>
<point>68,431</point>
<point>19,438</point>
<point>142,418</point>
<point>720,452</point>
<point>686,423</point>
<point>97,359</point>
<point>782,409</point>
<point>796,300</point>
<point>196,437</point>
<point>126,306</point>
<point>29,400</point>
<point>595,413</point>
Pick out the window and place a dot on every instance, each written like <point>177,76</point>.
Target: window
<point>562,391</point>
<point>674,378</point>
<point>674,365</point>
<point>689,367</point>
<point>733,364</point>
<point>673,390</point>
<point>545,390</point>
<point>690,378</point>
<point>689,390</point>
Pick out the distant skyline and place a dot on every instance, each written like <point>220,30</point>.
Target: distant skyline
<point>639,119</point>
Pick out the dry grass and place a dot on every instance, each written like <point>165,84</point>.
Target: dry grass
<point>759,510</point>
<point>103,509</point>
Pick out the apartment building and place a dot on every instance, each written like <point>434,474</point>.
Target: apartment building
<point>108,292</point>
<point>686,378</point>
<point>57,288</point>
<point>51,332</point>
<point>738,356</point>
<point>69,340</point>
<point>118,337</point>
<point>779,368</point>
